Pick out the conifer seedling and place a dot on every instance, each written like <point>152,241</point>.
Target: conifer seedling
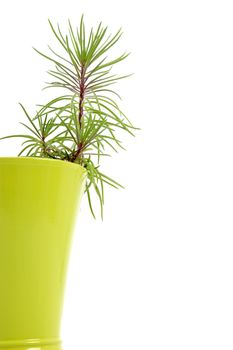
<point>84,123</point>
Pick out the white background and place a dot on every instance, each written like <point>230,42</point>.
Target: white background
<point>157,272</point>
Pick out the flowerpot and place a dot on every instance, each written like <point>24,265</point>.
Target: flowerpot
<point>39,199</point>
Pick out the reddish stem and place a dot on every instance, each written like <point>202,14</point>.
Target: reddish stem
<point>81,111</point>
<point>81,95</point>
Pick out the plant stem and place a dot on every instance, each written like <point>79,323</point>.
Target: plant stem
<point>81,110</point>
<point>81,95</point>
<point>43,147</point>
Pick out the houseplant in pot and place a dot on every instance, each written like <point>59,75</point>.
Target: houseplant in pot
<point>41,189</point>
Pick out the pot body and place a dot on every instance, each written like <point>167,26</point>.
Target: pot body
<point>39,199</point>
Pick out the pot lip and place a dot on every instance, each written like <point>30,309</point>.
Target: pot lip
<point>41,161</point>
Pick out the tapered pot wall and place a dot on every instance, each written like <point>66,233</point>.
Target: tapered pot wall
<point>39,200</point>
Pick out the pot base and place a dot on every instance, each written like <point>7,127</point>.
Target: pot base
<point>31,344</point>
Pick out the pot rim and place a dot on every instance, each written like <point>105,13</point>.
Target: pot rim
<point>40,161</point>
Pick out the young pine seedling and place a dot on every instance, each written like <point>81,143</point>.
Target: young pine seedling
<point>84,123</point>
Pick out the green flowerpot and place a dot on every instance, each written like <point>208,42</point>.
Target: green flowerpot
<point>39,199</point>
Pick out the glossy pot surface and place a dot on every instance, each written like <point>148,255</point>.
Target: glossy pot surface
<point>39,200</point>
